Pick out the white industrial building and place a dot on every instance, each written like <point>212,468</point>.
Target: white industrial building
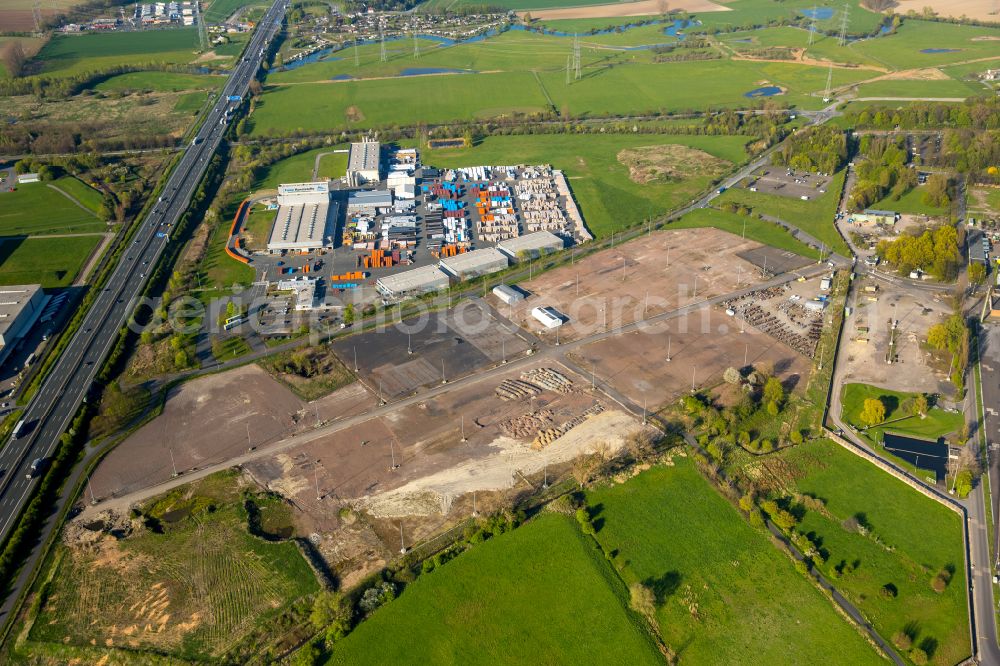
<point>473,264</point>
<point>368,200</point>
<point>507,294</point>
<point>305,291</point>
<point>20,306</point>
<point>363,164</point>
<point>416,281</point>
<point>549,317</point>
<point>306,218</point>
<point>532,245</point>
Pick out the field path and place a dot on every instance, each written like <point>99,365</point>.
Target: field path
<point>73,199</point>
<point>95,256</point>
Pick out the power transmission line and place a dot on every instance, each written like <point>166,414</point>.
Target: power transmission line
<point>381,36</point>
<point>36,14</point>
<point>845,19</point>
<point>576,58</point>
<point>812,27</point>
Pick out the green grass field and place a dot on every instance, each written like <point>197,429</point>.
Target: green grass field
<point>815,217</point>
<point>652,87</point>
<point>67,55</point>
<point>299,168</point>
<point>911,203</point>
<point>908,540</point>
<point>946,88</point>
<point>193,592</point>
<point>938,422</point>
<point>51,262</point>
<point>725,594</point>
<point>90,198</point>
<point>607,196</point>
<point>904,49</point>
<point>230,349</point>
<point>219,10</point>
<point>543,594</point>
<point>758,230</point>
<point>35,208</point>
<point>160,82</point>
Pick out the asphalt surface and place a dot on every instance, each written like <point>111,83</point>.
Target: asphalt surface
<point>49,413</point>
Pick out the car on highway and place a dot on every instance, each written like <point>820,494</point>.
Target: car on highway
<point>38,466</point>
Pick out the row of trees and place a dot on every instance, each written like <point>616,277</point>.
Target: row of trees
<point>952,336</point>
<point>974,113</point>
<point>820,149</point>
<point>932,251</point>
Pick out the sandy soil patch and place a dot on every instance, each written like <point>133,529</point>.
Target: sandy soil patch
<point>657,164</point>
<point>976,9</point>
<point>209,420</point>
<point>642,278</point>
<point>502,468</point>
<point>866,339</point>
<point>928,74</point>
<point>642,8</point>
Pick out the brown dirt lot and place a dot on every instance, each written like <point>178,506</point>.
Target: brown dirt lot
<point>865,362</point>
<point>426,443</point>
<point>654,164</point>
<point>205,421</point>
<point>673,268</point>
<point>702,346</point>
<point>437,472</point>
<point>641,8</point>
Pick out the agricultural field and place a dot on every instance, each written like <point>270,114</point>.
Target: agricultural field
<point>30,45</point>
<point>66,55</point>
<point>884,544</point>
<point>815,216</point>
<point>652,87</point>
<point>938,423</point>
<point>617,180</point>
<point>17,14</point>
<point>723,591</point>
<point>478,609</point>
<point>160,82</point>
<point>921,44</point>
<point>928,88</point>
<point>220,10</point>
<point>37,208</point>
<point>51,262</point>
<point>191,583</point>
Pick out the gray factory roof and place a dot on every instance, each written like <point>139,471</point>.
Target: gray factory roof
<point>301,226</point>
<point>477,262</point>
<point>364,156</point>
<point>369,199</point>
<point>425,278</point>
<point>531,243</point>
<point>13,300</point>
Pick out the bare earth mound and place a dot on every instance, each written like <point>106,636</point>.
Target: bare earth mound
<point>641,8</point>
<point>648,164</point>
<point>981,10</point>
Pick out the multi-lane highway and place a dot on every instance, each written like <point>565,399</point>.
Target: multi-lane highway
<point>49,414</point>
